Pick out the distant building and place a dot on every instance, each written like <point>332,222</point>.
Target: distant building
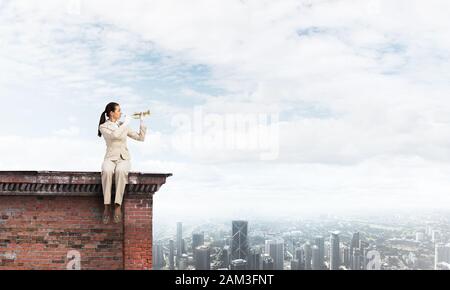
<point>308,255</point>
<point>356,260</point>
<point>299,256</point>
<point>267,262</point>
<point>442,266</point>
<point>179,239</point>
<point>346,256</point>
<point>316,261</point>
<point>435,236</point>
<point>364,249</point>
<point>183,262</point>
<point>420,236</point>
<point>239,264</point>
<point>254,259</point>
<point>354,244</point>
<point>275,248</point>
<point>319,241</point>
<point>158,257</point>
<point>334,251</point>
<point>226,256</point>
<point>197,240</point>
<point>183,246</point>
<point>171,255</point>
<point>441,254</point>
<point>239,242</point>
<point>202,258</point>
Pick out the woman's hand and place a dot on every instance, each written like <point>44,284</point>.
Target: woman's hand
<point>141,117</point>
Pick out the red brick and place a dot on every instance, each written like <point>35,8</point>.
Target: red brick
<point>37,232</point>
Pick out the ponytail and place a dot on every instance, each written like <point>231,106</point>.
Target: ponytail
<point>111,107</point>
<point>102,120</point>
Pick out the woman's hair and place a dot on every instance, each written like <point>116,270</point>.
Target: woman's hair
<point>111,107</point>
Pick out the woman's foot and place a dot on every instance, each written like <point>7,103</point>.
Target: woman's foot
<point>117,214</point>
<point>106,214</point>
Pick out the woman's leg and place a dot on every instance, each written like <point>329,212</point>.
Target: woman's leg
<point>108,168</point>
<point>121,180</point>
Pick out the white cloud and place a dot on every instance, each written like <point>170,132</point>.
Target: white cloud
<point>72,131</point>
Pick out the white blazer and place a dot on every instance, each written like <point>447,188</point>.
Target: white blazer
<point>116,139</point>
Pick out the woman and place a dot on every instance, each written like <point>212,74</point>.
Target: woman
<point>117,158</point>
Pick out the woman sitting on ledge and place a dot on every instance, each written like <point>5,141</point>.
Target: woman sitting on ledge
<point>117,158</point>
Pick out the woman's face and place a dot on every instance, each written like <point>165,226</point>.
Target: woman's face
<point>116,114</point>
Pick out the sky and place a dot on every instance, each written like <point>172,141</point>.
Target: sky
<point>258,107</point>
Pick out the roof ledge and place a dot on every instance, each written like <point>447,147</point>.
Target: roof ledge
<point>73,183</point>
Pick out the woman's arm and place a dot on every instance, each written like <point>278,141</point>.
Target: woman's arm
<point>138,136</point>
<point>116,133</point>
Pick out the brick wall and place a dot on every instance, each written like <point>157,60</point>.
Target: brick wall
<point>55,228</point>
<point>138,233</point>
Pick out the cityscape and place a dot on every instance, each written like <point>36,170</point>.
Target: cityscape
<point>327,242</point>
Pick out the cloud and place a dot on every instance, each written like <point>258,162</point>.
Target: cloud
<point>360,89</point>
<point>72,131</point>
<point>50,153</point>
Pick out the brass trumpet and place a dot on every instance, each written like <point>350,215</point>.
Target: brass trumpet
<point>138,114</point>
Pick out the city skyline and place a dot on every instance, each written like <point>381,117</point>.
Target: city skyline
<point>419,241</point>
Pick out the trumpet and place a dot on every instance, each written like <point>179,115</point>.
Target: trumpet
<point>138,114</point>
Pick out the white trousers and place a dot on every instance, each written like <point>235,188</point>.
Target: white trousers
<point>119,169</point>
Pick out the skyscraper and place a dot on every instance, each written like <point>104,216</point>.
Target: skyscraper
<point>334,251</point>
<point>299,256</point>
<point>158,257</point>
<point>320,243</point>
<point>316,264</point>
<point>364,249</point>
<point>441,254</point>
<point>354,244</point>
<point>226,256</point>
<point>179,239</point>
<point>356,259</point>
<point>346,256</point>
<point>254,259</point>
<point>239,243</point>
<point>171,255</point>
<point>202,258</point>
<point>275,248</point>
<point>197,240</point>
<point>355,240</point>
<point>308,255</point>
